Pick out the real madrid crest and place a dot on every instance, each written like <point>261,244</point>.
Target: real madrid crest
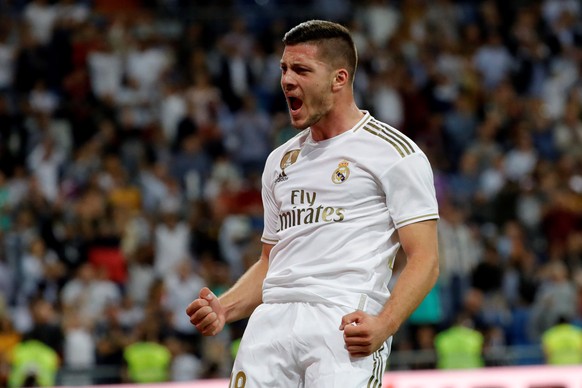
<point>289,158</point>
<point>342,172</point>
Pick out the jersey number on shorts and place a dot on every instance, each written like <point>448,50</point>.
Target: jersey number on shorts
<point>239,381</point>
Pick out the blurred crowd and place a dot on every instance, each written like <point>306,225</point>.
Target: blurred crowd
<point>133,135</point>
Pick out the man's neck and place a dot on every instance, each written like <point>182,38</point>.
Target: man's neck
<point>336,122</point>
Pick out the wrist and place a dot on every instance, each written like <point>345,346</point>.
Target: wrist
<point>227,310</point>
<point>390,325</point>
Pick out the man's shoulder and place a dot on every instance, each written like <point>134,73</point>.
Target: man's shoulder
<point>386,139</point>
<point>380,146</point>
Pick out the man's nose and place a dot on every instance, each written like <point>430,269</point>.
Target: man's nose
<point>287,81</point>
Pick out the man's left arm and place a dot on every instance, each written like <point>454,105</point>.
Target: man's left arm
<point>365,333</point>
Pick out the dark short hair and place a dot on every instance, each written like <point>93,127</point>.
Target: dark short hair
<point>334,41</point>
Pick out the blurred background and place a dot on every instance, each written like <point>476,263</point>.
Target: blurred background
<point>132,139</point>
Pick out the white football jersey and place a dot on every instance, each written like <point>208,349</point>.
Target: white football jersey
<point>332,209</point>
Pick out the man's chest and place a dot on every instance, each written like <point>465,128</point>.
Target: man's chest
<point>326,179</point>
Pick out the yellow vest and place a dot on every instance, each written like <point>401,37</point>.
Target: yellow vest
<point>459,348</point>
<point>563,344</point>
<point>33,357</point>
<point>147,362</point>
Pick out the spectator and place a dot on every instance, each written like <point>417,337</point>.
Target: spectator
<point>381,20</point>
<point>568,131</point>
<point>45,161</point>
<point>386,98</point>
<point>556,298</point>
<point>172,109</point>
<point>562,343</point>
<point>464,184</point>
<point>46,326</point>
<point>205,101</point>
<point>111,337</point>
<point>41,100</point>
<point>235,75</point>
<point>147,360</point>
<point>172,239</point>
<point>185,366</point>
<point>42,272</point>
<point>460,346</point>
<point>7,58</point>
<point>180,284</point>
<point>89,291</point>
<point>105,70</point>
<point>460,126</point>
<point>191,165</point>
<point>79,348</point>
<point>33,364</point>
<point>487,276</point>
<point>249,140</point>
<point>40,16</point>
<point>146,63</point>
<point>9,339</point>
<point>459,254</point>
<point>493,61</point>
<point>521,160</point>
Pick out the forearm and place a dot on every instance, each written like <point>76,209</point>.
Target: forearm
<point>246,294</point>
<point>414,283</point>
<point>420,245</point>
<point>365,333</point>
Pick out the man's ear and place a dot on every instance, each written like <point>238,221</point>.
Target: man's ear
<point>340,79</point>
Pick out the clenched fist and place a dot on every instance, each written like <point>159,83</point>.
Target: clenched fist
<point>206,313</point>
<point>363,333</point>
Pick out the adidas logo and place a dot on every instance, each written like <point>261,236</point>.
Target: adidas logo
<point>282,177</point>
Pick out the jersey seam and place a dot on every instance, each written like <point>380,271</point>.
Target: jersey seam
<point>397,162</point>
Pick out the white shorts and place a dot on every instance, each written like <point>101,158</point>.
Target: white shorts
<point>299,345</point>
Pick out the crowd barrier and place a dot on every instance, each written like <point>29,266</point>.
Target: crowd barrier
<point>498,377</point>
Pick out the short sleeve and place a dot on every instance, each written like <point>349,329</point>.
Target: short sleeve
<point>410,191</point>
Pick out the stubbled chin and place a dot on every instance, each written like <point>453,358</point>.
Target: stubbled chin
<point>296,121</point>
<point>299,124</point>
<point>300,118</point>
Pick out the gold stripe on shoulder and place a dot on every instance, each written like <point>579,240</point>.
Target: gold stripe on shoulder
<point>395,133</point>
<point>381,136</point>
<point>378,126</point>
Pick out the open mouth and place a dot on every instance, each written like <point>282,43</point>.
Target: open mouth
<point>295,103</point>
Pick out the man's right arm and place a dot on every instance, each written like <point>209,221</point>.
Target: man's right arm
<point>209,314</point>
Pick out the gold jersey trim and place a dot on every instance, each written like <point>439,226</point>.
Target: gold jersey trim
<point>396,134</point>
<point>375,380</point>
<point>397,141</point>
<point>394,145</point>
